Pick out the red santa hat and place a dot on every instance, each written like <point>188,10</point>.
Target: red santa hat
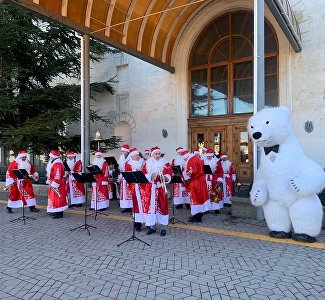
<point>154,150</point>
<point>185,154</point>
<point>55,154</point>
<point>134,151</point>
<point>147,151</point>
<point>22,153</point>
<point>98,153</point>
<point>223,155</point>
<point>125,148</point>
<point>209,153</point>
<point>196,151</point>
<point>179,150</point>
<point>70,154</point>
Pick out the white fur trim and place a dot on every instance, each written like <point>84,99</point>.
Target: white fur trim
<point>55,185</point>
<point>136,152</point>
<point>53,156</point>
<point>154,151</point>
<point>104,182</point>
<point>124,149</point>
<point>195,209</point>
<point>59,209</point>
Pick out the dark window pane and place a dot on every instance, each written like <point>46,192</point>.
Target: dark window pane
<point>245,50</point>
<point>199,76</point>
<point>270,44</point>
<point>199,85</point>
<point>243,87</point>
<point>200,108</point>
<point>271,84</point>
<point>223,26</point>
<point>248,27</point>
<point>271,99</point>
<point>219,90</point>
<point>218,107</point>
<point>244,147</point>
<point>221,53</point>
<point>271,65</point>
<point>212,34</point>
<point>243,104</point>
<point>237,22</point>
<point>219,73</point>
<point>243,70</point>
<point>199,59</point>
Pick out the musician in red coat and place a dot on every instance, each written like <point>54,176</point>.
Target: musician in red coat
<point>195,182</point>
<point>21,190</point>
<point>75,190</point>
<point>57,197</point>
<point>100,189</point>
<point>158,172</point>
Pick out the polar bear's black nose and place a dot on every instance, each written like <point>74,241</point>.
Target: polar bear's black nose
<point>257,135</point>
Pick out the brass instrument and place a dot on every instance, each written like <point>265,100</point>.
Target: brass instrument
<point>56,191</point>
<point>163,182</point>
<point>6,188</point>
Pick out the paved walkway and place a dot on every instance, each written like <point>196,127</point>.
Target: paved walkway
<point>222,258</point>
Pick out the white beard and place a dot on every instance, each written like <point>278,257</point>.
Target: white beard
<point>121,162</point>
<point>225,165</point>
<point>99,162</point>
<point>212,163</point>
<point>24,164</point>
<point>178,161</point>
<point>71,163</point>
<point>136,164</point>
<point>155,166</point>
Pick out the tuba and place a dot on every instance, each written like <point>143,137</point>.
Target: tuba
<point>163,182</point>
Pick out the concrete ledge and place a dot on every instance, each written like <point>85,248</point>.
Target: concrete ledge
<point>242,207</point>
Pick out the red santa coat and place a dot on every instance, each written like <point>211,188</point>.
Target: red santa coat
<point>226,174</point>
<point>75,191</point>
<point>196,184</point>
<point>21,190</point>
<point>100,189</point>
<point>57,196</point>
<point>125,191</point>
<point>156,201</point>
<point>138,191</point>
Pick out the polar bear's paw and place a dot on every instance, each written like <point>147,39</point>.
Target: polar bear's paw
<point>258,197</point>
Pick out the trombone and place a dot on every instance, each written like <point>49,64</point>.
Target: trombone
<point>163,182</point>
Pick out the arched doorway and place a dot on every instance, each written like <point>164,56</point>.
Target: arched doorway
<point>221,85</point>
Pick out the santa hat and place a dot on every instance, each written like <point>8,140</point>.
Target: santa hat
<point>98,153</point>
<point>185,154</point>
<point>179,150</point>
<point>223,155</point>
<point>147,152</point>
<point>70,154</point>
<point>125,148</point>
<point>154,150</point>
<point>195,152</point>
<point>209,153</point>
<point>204,149</point>
<point>134,151</point>
<point>22,153</point>
<point>55,154</point>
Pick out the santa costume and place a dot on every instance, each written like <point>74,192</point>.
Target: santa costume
<point>100,189</point>
<point>125,192</point>
<point>180,193</point>
<point>227,175</point>
<point>158,172</point>
<point>75,190</point>
<point>21,190</point>
<point>196,184</point>
<point>57,197</point>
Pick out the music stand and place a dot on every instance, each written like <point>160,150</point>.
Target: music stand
<point>21,174</point>
<point>132,178</point>
<point>84,178</point>
<point>112,162</point>
<point>66,166</point>
<point>176,179</point>
<point>207,169</point>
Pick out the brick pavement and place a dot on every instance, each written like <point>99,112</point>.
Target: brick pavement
<point>43,259</point>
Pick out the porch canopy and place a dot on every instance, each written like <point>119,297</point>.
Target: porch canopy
<point>147,29</point>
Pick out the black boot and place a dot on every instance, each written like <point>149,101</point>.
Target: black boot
<point>33,209</point>
<point>72,205</point>
<point>137,226</point>
<point>9,210</point>
<point>302,237</point>
<point>126,210</point>
<point>188,206</point>
<point>196,218</point>
<point>280,234</point>
<point>58,215</point>
<point>178,206</point>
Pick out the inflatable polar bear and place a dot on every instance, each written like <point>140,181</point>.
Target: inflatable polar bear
<point>287,181</point>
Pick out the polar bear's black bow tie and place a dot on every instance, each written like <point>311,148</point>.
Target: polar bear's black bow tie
<point>274,148</point>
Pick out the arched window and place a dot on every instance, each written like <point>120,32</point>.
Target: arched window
<point>221,67</point>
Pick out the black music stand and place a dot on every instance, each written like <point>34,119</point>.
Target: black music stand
<point>112,162</point>
<point>22,174</point>
<point>84,178</point>
<point>176,179</point>
<point>66,166</point>
<point>132,178</point>
<point>207,169</point>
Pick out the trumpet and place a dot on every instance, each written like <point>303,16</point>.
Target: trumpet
<point>163,182</point>
<point>56,191</point>
<point>6,188</point>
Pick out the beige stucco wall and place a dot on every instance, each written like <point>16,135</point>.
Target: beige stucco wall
<point>150,99</point>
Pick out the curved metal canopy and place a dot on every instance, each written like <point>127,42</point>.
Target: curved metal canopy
<point>147,29</point>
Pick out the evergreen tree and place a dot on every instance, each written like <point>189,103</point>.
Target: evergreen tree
<point>34,54</point>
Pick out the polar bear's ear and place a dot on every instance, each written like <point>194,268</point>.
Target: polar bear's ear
<point>286,110</point>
